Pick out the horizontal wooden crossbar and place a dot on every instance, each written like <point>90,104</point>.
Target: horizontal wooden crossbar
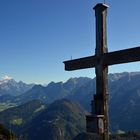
<point>122,56</point>
<point>111,58</point>
<point>82,63</point>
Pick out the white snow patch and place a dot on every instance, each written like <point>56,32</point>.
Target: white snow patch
<point>7,77</point>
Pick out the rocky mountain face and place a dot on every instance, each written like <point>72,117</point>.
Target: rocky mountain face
<point>125,102</point>
<point>75,83</point>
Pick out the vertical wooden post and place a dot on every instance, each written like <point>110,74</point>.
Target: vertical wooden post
<point>101,97</point>
<point>97,122</point>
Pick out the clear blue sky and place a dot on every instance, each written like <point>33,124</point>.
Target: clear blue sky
<point>36,36</point>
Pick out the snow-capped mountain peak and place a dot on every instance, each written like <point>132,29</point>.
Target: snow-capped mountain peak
<point>9,86</point>
<point>6,79</point>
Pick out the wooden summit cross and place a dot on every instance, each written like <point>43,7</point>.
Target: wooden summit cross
<point>97,122</point>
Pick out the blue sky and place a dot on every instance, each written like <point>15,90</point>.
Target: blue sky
<point>36,36</point>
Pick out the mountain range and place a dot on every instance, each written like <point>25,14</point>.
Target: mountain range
<point>9,86</point>
<point>53,91</point>
<point>124,104</point>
